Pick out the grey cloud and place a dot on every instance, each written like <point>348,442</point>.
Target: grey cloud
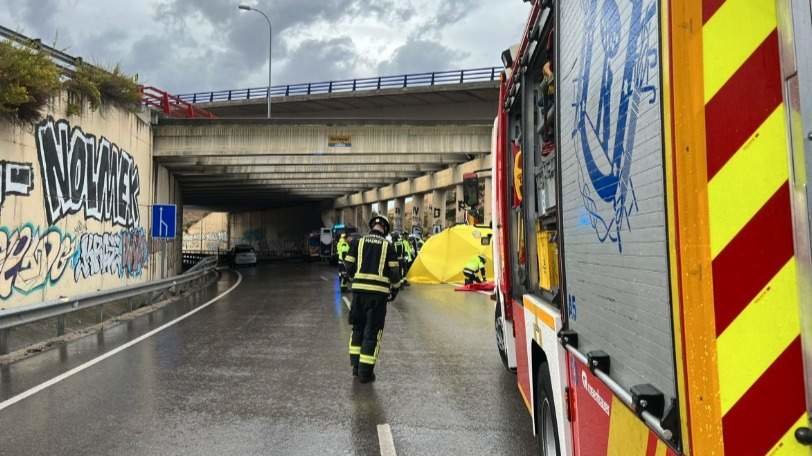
<point>38,19</point>
<point>185,45</point>
<point>421,55</point>
<point>448,12</point>
<point>245,36</point>
<point>330,59</point>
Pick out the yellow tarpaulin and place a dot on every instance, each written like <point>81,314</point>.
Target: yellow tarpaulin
<point>444,255</point>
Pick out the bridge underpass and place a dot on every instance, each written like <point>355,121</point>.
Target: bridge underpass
<point>286,161</point>
<point>263,370</point>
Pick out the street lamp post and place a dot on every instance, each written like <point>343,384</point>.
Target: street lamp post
<point>270,44</point>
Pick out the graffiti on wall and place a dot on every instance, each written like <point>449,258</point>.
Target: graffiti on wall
<point>80,172</point>
<point>31,258</point>
<point>123,254</point>
<point>15,179</point>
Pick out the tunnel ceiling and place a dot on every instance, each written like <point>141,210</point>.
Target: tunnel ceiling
<point>252,163</point>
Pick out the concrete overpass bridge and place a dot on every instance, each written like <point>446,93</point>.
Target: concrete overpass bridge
<point>388,139</point>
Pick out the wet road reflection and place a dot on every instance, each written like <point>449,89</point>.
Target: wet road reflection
<point>265,371</point>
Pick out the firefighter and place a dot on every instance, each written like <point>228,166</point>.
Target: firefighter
<point>408,254</point>
<point>400,254</point>
<point>341,249</point>
<point>374,267</point>
<point>474,270</point>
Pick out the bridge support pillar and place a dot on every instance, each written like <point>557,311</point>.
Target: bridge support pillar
<point>366,214</point>
<point>228,231</point>
<point>397,223</point>
<point>460,214</point>
<point>438,209</point>
<point>415,215</point>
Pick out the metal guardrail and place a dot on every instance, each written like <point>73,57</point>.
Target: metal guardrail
<point>349,85</point>
<point>64,60</point>
<point>171,105</point>
<point>208,262</point>
<point>58,308</point>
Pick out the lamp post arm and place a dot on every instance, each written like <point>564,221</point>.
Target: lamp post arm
<point>270,53</point>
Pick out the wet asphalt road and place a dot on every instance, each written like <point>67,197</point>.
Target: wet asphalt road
<point>264,371</point>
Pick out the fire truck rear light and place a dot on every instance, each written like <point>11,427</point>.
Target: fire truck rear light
<point>647,398</point>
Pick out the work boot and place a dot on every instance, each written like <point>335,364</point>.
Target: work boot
<point>354,371</point>
<point>367,378</point>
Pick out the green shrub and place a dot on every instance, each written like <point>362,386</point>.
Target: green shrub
<point>98,86</point>
<point>28,79</point>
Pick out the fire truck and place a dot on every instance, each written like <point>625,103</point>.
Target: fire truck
<point>654,268</point>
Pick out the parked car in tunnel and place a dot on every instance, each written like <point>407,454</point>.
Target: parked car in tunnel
<point>242,255</point>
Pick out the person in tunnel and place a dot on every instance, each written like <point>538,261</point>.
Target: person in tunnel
<point>474,270</point>
<point>373,264</point>
<point>342,247</point>
<point>401,255</point>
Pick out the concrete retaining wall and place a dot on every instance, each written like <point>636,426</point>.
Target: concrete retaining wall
<point>75,205</point>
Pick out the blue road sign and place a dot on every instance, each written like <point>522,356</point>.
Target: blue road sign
<point>163,221</point>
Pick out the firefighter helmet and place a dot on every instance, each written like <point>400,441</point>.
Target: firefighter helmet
<point>380,220</point>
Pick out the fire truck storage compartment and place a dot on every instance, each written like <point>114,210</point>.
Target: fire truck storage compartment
<point>613,206</point>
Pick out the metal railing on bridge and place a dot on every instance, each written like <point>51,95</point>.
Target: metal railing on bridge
<point>435,78</point>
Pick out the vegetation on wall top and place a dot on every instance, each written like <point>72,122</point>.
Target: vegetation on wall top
<point>28,78</point>
<point>98,86</point>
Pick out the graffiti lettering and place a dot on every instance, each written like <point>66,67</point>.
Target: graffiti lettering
<point>123,254</point>
<point>78,172</point>
<point>31,259</point>
<point>15,179</point>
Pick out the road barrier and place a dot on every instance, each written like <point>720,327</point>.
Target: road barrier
<point>59,308</point>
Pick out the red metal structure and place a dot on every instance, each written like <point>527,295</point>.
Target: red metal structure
<point>171,105</point>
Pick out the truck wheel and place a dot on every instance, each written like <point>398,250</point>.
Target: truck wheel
<point>546,425</point>
<point>500,335</point>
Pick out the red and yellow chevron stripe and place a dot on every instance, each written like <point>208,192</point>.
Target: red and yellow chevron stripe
<point>753,397</point>
<point>738,305</point>
<point>761,386</point>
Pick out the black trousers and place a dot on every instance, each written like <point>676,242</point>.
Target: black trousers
<point>367,316</point>
<point>471,277</point>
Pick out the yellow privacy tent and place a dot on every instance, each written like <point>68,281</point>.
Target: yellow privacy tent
<point>444,255</point>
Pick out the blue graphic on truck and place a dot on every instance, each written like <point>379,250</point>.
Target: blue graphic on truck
<point>606,134</point>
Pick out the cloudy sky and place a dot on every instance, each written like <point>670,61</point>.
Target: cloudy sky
<point>189,45</point>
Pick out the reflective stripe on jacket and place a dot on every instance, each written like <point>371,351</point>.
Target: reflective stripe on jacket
<point>373,264</point>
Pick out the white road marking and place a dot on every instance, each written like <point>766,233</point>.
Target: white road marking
<point>346,302</point>
<point>324,278</point>
<point>385,440</point>
<point>28,393</point>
